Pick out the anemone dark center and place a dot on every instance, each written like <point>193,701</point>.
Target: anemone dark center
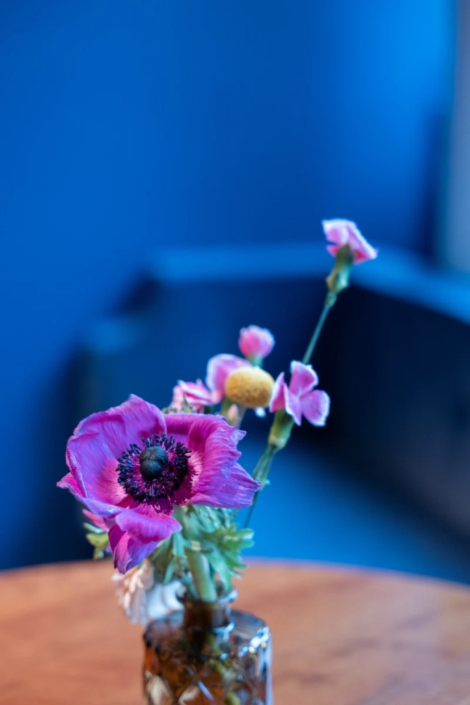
<point>152,461</point>
<point>155,470</point>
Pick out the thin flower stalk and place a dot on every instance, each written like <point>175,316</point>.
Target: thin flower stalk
<point>260,474</point>
<point>327,306</point>
<point>349,248</point>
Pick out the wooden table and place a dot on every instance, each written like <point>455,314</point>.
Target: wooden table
<point>341,637</point>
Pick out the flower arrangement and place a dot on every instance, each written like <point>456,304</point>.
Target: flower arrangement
<point>162,488</point>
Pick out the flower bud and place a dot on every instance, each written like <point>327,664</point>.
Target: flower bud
<point>255,343</point>
<point>344,232</point>
<point>250,387</point>
<point>349,247</point>
<point>338,279</point>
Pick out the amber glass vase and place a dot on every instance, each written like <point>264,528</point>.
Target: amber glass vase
<point>207,653</point>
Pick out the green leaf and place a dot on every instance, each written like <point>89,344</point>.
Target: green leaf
<point>210,531</point>
<point>232,699</point>
<point>93,529</point>
<point>214,533</point>
<point>169,559</point>
<point>220,566</point>
<point>100,543</point>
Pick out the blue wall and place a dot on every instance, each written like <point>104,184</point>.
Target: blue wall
<point>124,125</point>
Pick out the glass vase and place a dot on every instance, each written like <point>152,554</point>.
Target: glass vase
<point>207,654</point>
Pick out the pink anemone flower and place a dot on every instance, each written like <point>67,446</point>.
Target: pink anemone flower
<point>218,369</point>
<point>255,343</point>
<point>345,232</point>
<point>131,465</point>
<point>299,398</point>
<point>196,394</point>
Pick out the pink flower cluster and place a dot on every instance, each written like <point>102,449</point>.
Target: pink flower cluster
<point>254,342</point>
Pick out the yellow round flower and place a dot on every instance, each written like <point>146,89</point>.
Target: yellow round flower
<point>249,386</point>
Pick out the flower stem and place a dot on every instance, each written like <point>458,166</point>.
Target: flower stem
<point>199,566</point>
<point>260,473</point>
<point>329,303</point>
<point>261,470</point>
<point>234,413</point>
<point>283,423</point>
<point>226,404</point>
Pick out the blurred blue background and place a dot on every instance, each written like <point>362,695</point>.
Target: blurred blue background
<point>131,129</point>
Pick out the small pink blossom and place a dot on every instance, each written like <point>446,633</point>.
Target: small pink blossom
<point>196,395</point>
<point>255,343</point>
<point>345,232</point>
<point>218,369</point>
<point>299,399</point>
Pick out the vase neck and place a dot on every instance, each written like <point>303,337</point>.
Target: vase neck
<point>208,616</point>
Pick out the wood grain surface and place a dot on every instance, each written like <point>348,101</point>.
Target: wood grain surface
<point>341,637</point>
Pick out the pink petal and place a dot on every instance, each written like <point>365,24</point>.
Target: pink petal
<point>108,512</point>
<point>177,401</point>
<point>234,492</point>
<point>99,522</point>
<point>255,342</point>
<point>94,467</point>
<point>136,533</point>
<point>146,526</point>
<point>293,407</point>
<point>69,482</point>
<point>178,426</point>
<point>277,396</point>
<point>196,394</point>
<point>316,407</point>
<point>218,369</point>
<point>304,378</point>
<point>128,551</point>
<point>213,443</point>
<point>336,232</point>
<point>342,232</point>
<point>125,424</point>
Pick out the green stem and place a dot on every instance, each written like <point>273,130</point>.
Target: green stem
<point>261,470</point>
<point>200,571</point>
<point>241,414</point>
<point>260,473</point>
<point>226,404</point>
<point>198,563</point>
<point>329,303</point>
<point>225,408</point>
<point>283,423</point>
